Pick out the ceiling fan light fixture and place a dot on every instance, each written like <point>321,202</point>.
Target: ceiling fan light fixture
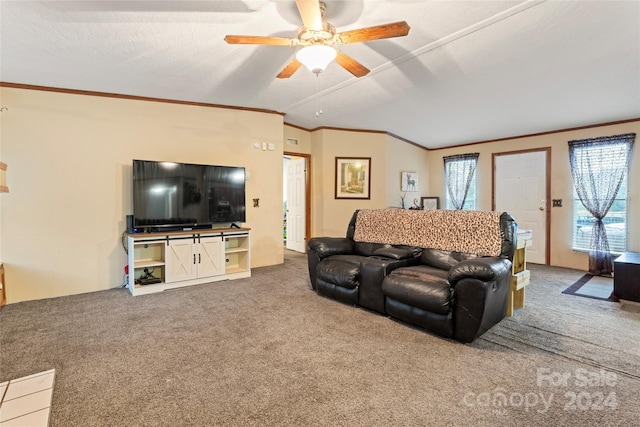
<point>316,57</point>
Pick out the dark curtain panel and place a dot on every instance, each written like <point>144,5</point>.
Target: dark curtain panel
<point>458,173</point>
<point>598,167</point>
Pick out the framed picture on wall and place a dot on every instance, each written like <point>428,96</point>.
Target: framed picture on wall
<point>409,181</point>
<point>429,203</point>
<point>353,177</point>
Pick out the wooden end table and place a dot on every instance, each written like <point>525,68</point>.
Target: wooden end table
<point>520,276</point>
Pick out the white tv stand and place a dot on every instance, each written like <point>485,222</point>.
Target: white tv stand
<point>184,258</point>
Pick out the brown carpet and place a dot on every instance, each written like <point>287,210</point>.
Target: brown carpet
<point>269,351</point>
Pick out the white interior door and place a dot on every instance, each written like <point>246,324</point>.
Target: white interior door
<point>296,204</point>
<point>520,189</point>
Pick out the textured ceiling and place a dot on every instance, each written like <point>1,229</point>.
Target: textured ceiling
<point>468,70</point>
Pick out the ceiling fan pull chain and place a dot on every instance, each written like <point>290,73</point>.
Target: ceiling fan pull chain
<point>318,106</point>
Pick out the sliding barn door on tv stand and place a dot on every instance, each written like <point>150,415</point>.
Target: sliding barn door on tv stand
<point>160,261</point>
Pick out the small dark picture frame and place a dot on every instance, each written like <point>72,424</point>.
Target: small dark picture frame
<point>430,203</point>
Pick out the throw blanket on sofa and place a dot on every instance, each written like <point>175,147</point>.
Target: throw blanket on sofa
<point>472,232</point>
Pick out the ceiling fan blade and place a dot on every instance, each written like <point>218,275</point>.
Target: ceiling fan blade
<point>291,68</point>
<point>396,29</point>
<point>310,13</point>
<point>273,41</point>
<point>351,65</point>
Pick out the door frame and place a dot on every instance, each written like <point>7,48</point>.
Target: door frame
<point>547,190</point>
<point>307,190</point>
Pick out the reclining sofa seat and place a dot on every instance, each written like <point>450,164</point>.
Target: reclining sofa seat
<point>456,294</point>
<point>352,272</point>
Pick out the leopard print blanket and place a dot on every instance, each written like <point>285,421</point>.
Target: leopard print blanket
<point>472,232</point>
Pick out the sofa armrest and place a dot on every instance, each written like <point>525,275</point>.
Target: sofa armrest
<point>328,246</point>
<point>398,252</point>
<point>323,247</point>
<point>481,293</point>
<point>373,270</point>
<point>485,269</point>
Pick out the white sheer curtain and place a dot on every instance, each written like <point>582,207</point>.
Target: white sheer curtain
<point>598,167</point>
<point>458,173</point>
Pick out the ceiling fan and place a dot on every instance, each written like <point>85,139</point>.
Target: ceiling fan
<point>317,38</point>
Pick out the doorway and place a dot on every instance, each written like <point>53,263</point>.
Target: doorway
<point>521,186</point>
<point>297,201</point>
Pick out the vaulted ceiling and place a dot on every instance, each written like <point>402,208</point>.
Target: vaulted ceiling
<point>468,71</point>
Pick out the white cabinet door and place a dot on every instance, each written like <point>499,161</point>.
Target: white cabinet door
<point>180,260</point>
<point>210,257</point>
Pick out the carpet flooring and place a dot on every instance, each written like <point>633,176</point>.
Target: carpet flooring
<point>268,351</point>
<point>590,286</point>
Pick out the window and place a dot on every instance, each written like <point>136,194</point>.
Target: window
<point>460,180</point>
<point>470,200</point>
<point>615,222</point>
<point>599,167</point>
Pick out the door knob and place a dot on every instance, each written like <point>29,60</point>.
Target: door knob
<point>541,208</point>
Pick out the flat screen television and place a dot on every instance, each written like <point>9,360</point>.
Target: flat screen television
<point>185,195</point>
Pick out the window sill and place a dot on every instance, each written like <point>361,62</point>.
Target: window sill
<point>586,251</point>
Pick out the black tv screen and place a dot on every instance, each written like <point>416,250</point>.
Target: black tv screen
<point>169,194</point>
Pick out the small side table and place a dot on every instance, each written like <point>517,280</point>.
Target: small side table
<point>519,274</point>
<point>626,276</point>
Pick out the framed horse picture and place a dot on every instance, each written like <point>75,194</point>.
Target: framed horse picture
<point>409,181</point>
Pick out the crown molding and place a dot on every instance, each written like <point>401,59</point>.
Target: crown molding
<point>260,110</point>
<point>551,132</point>
<point>132,97</point>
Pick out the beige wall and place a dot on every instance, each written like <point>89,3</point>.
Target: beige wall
<point>330,216</point>
<point>389,157</point>
<point>302,136</point>
<point>70,158</point>
<point>3,181</point>
<point>70,179</point>
<point>404,157</point>
<point>561,186</point>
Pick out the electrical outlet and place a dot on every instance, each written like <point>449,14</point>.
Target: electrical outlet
<point>557,203</point>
